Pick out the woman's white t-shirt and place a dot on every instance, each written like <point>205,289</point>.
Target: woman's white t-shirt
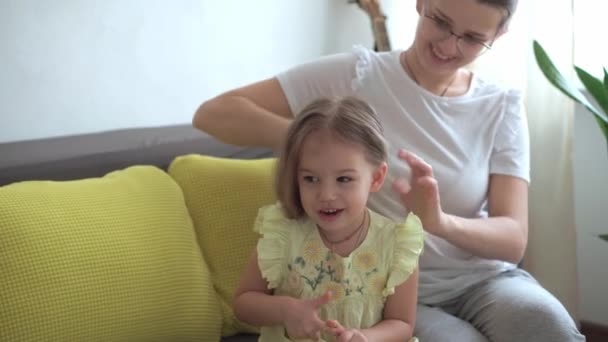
<point>465,139</point>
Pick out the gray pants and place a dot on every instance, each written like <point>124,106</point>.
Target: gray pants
<point>510,307</point>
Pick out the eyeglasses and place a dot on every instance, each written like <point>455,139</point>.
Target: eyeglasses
<point>467,45</point>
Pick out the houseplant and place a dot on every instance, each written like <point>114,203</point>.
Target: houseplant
<point>597,89</point>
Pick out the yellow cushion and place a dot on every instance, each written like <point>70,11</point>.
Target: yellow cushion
<point>223,196</point>
<point>105,259</point>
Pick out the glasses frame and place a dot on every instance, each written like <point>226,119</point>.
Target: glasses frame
<point>445,26</point>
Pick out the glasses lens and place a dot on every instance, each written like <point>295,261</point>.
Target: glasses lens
<point>440,27</point>
<point>483,50</point>
<point>468,48</point>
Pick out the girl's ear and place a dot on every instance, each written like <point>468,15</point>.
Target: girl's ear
<point>378,177</point>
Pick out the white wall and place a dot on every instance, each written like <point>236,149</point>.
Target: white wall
<point>77,66</point>
<point>591,205</point>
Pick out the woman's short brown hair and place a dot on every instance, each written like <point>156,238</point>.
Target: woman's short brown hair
<point>508,5</point>
<point>347,118</point>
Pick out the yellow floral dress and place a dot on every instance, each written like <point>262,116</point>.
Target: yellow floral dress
<point>295,262</point>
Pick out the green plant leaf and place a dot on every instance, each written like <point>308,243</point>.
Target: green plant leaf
<point>603,127</point>
<point>605,79</point>
<point>596,89</point>
<point>604,237</point>
<point>560,82</point>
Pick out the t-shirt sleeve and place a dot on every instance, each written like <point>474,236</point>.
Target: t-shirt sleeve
<point>328,76</point>
<point>511,152</point>
<point>408,245</point>
<point>273,245</point>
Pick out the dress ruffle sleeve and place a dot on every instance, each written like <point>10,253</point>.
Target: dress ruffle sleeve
<point>409,242</point>
<point>273,245</point>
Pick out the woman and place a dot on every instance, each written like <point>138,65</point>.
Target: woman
<point>467,141</point>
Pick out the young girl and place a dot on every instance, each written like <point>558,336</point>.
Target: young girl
<point>326,267</point>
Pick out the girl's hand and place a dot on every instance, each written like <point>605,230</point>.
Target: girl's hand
<point>342,334</point>
<point>302,320</point>
<point>421,194</point>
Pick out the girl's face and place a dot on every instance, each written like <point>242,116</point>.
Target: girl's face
<point>452,34</point>
<point>335,179</point>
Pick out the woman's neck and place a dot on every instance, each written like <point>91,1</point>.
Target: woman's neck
<point>441,85</point>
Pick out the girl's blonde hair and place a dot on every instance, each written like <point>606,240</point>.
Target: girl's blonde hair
<point>347,118</point>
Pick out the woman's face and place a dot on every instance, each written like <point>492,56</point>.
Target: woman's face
<point>452,34</point>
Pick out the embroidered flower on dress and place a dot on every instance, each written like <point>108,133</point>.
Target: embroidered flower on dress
<point>337,290</point>
<point>355,284</point>
<point>366,261</point>
<point>377,283</point>
<point>335,269</point>
<point>313,252</point>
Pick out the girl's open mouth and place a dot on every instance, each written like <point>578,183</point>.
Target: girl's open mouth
<point>330,214</point>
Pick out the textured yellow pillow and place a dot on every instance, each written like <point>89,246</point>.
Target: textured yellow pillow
<point>104,259</point>
<point>223,196</point>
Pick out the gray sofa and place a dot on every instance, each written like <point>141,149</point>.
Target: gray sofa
<point>94,155</point>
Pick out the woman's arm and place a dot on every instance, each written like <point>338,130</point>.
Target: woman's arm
<point>504,234</point>
<point>254,115</point>
<point>399,315</point>
<point>501,236</point>
<point>258,114</point>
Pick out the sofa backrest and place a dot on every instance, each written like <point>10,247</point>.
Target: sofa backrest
<point>95,154</point>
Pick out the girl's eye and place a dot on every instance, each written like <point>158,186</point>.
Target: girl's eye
<point>344,179</point>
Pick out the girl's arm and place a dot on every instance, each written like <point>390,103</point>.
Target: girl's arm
<point>255,115</point>
<point>255,304</point>
<point>253,301</point>
<point>399,315</point>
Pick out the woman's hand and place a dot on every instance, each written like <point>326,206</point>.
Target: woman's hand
<point>342,334</point>
<point>302,320</point>
<point>421,194</point>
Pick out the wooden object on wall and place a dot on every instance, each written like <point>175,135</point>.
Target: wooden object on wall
<point>378,20</point>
